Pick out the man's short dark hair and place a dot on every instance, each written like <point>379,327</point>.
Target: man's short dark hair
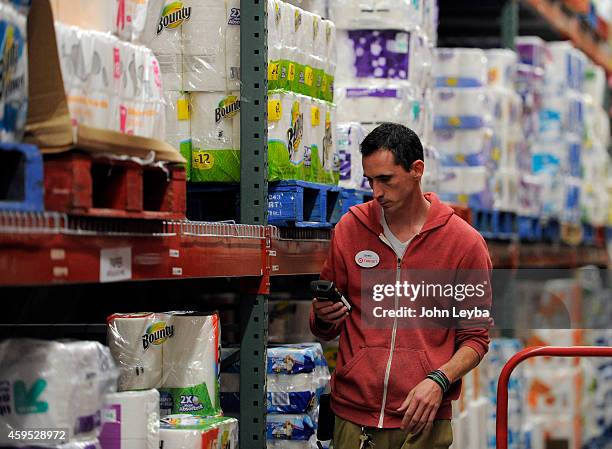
<point>400,140</point>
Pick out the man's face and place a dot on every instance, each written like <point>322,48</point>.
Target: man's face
<point>391,184</point>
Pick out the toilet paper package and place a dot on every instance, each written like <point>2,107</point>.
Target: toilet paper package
<point>461,185</point>
<point>533,51</point>
<point>232,45</point>
<point>371,104</point>
<point>298,427</point>
<point>376,14</point>
<point>569,63</point>
<point>204,47</point>
<point>190,366</point>
<point>194,432</point>
<point>461,108</point>
<point>294,359</point>
<point>130,420</point>
<point>501,67</point>
<point>178,124</point>
<point>348,141</point>
<point>48,384</point>
<point>215,129</point>
<point>465,147</point>
<point>14,103</point>
<point>460,67</point>
<point>286,136</point>
<point>135,341</point>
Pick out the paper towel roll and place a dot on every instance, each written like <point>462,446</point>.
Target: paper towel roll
<point>374,104</point>
<point>204,40</point>
<point>331,61</point>
<point>191,366</point>
<point>348,140</point>
<point>232,45</point>
<point>215,124</point>
<point>136,351</point>
<point>15,82</point>
<point>501,67</point>
<point>130,420</point>
<point>460,67</point>
<point>193,432</point>
<point>286,135</point>
<point>54,385</point>
<point>275,30</point>
<point>461,108</point>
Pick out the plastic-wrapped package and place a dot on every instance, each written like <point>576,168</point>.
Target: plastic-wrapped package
<point>299,427</point>
<point>178,124</point>
<point>177,351</point>
<point>430,21</point>
<point>348,140</point>
<point>464,147</point>
<point>376,14</point>
<point>529,196</point>
<point>194,432</point>
<point>14,102</point>
<point>47,384</point>
<point>131,419</point>
<point>595,83</point>
<point>569,66</point>
<point>276,35</point>
<point>318,7</point>
<point>320,157</point>
<point>461,185</point>
<point>501,65</point>
<point>215,131</point>
<point>132,18</point>
<point>431,177</point>
<point>371,104</point>
<point>75,444</point>
<point>460,67</point>
<point>506,190</point>
<point>461,108</point>
<point>532,51</point>
<point>331,58</point>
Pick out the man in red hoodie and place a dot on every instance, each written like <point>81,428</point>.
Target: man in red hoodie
<point>392,387</point>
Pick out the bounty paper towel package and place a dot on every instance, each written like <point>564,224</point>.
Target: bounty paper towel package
<point>314,135</point>
<point>191,366</point>
<point>215,126</point>
<point>130,420</point>
<point>47,384</point>
<point>13,33</point>
<point>286,141</point>
<point>135,342</point>
<point>194,432</point>
<point>178,124</point>
<point>232,45</point>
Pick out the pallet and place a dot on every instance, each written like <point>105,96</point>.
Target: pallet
<point>551,230</point>
<point>529,228</point>
<point>21,178</point>
<point>346,199</point>
<point>79,184</point>
<point>588,234</point>
<point>494,224</point>
<point>299,203</point>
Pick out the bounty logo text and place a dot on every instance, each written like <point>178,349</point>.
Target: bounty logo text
<point>156,334</point>
<point>173,15</point>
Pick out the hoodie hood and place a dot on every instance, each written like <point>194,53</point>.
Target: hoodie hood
<point>437,215</point>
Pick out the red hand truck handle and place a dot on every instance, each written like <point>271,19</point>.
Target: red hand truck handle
<point>538,351</point>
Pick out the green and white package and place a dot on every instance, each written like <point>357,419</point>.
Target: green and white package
<point>286,140</point>
<point>215,134</point>
<point>184,431</point>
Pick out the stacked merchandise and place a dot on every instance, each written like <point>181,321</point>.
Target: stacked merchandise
<point>111,84</point>
<point>348,141</point>
<point>476,408</point>
<point>386,52</point>
<point>462,126</point>
<point>595,159</point>
<point>168,363</point>
<point>301,113</point>
<point>14,89</point>
<point>296,377</point>
<point>56,386</point>
<point>318,7</point>
<point>557,151</point>
<point>197,44</point>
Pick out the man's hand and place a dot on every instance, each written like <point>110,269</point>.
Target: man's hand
<point>330,312</point>
<point>420,406</point>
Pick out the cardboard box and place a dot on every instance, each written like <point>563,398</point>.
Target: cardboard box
<point>88,14</point>
<point>49,125</point>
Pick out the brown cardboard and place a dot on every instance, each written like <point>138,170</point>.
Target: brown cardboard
<point>48,125</point>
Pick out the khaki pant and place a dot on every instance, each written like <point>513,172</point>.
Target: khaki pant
<point>346,436</point>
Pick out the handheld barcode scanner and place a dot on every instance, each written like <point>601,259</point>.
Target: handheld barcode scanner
<point>328,291</point>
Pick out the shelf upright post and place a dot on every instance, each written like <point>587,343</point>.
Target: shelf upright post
<point>253,210</point>
<point>509,23</point>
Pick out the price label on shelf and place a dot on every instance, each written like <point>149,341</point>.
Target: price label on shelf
<point>275,110</point>
<point>115,264</point>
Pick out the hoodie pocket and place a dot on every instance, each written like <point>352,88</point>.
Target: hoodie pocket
<point>408,368</point>
<point>361,380</point>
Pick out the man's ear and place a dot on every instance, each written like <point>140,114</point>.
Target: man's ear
<point>417,169</point>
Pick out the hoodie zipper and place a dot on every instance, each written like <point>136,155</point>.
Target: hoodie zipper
<point>393,332</point>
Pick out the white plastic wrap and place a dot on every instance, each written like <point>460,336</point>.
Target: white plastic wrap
<point>595,82</point>
<point>461,108</point>
<point>193,432</point>
<point>464,147</point>
<point>47,384</point>
<point>177,352</point>
<point>130,420</point>
<point>368,103</point>
<point>569,64</point>
<point>131,18</point>
<point>348,140</point>
<point>431,177</point>
<point>14,102</point>
<point>501,64</point>
<point>376,14</point>
<point>460,67</point>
